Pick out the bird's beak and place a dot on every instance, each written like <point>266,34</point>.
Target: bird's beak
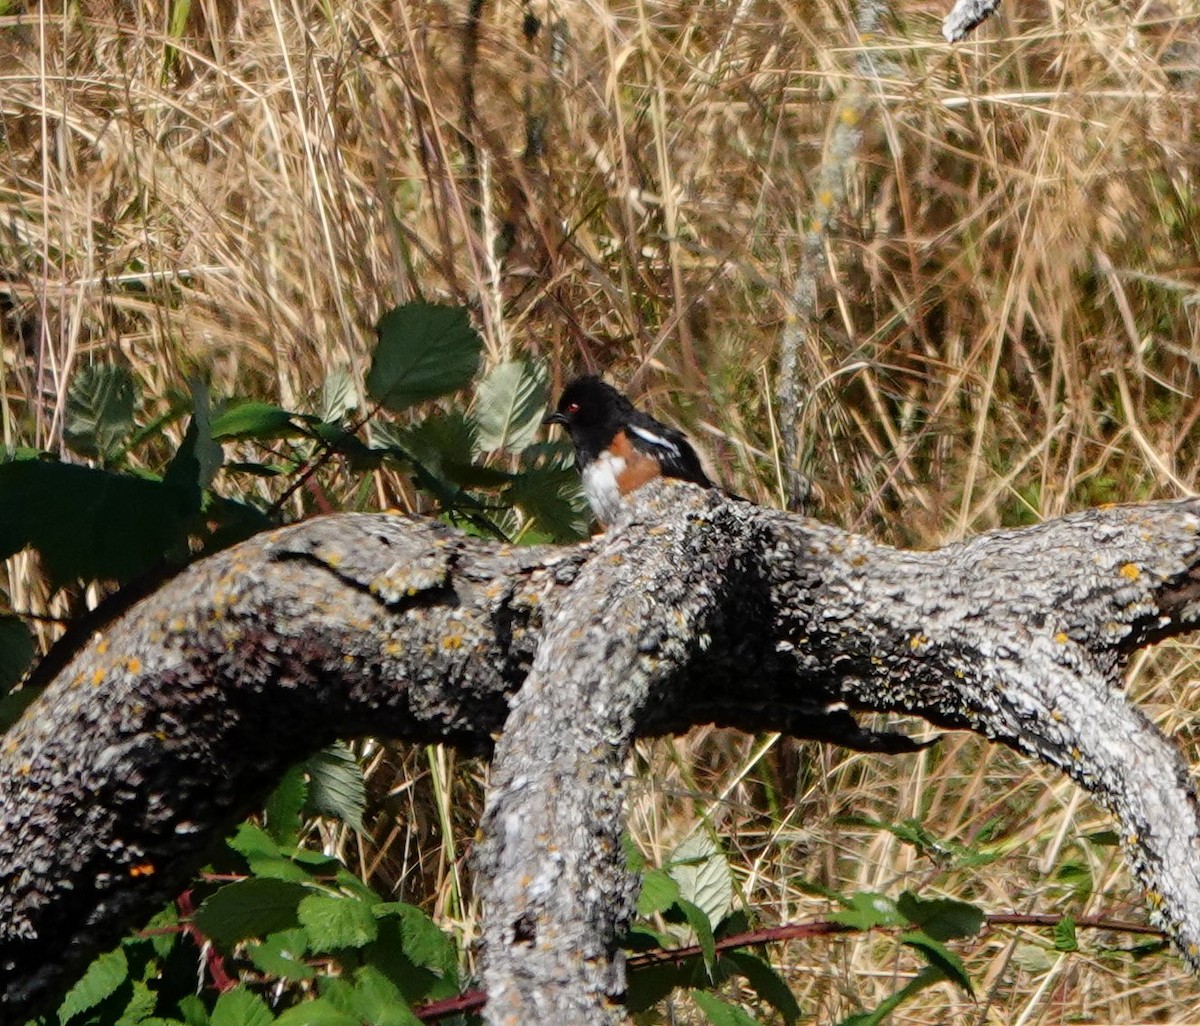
<point>555,418</point>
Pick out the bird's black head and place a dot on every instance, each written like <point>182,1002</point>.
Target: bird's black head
<point>589,405</point>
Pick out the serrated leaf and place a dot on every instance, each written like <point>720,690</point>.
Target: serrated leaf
<point>378,1001</point>
<point>193,1011</point>
<point>423,941</point>
<point>283,807</point>
<point>659,892</point>
<point>509,404</point>
<point>335,785</point>
<point>867,910</point>
<point>333,923</point>
<point>765,982</point>
<point>941,918</point>
<point>90,524</point>
<point>719,1012</point>
<point>425,350</point>
<point>701,926</point>
<point>925,978</point>
<point>551,496</point>
<point>940,958</point>
<point>339,395</point>
<point>249,908</point>
<point>282,954</point>
<point>252,418</point>
<point>318,1012</point>
<point>101,979</point>
<point>99,411</point>
<point>16,651</point>
<point>141,1003</point>
<point>1065,938</point>
<point>240,1007</point>
<point>702,873</point>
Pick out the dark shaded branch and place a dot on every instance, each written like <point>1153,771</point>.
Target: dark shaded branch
<point>694,609</point>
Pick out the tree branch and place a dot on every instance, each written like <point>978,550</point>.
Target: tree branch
<point>693,609</point>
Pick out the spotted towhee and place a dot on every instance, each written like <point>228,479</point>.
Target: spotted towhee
<point>617,447</point>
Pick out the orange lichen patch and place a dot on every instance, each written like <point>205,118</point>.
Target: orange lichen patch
<point>452,641</point>
<point>178,625</point>
<point>917,641</point>
<point>1131,571</point>
<point>97,677</point>
<point>142,869</point>
<point>133,664</point>
<point>1061,637</point>
<point>25,769</point>
<point>102,645</point>
<point>393,648</point>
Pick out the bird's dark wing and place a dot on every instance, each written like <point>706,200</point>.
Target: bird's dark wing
<point>670,447</point>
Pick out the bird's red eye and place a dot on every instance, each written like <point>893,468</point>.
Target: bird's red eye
<point>572,407</point>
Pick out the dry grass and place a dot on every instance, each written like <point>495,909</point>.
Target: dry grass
<point>1007,327</point>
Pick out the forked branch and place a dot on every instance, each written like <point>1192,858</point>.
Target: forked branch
<point>693,609</point>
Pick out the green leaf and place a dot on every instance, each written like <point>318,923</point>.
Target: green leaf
<point>282,954</point>
<point>193,1011</point>
<point>102,978</point>
<point>99,411</point>
<point>14,704</point>
<point>765,982</point>
<point>550,493</point>
<point>659,892</point>
<point>509,404</point>
<point>339,395</point>
<point>252,418</point>
<point>941,918</point>
<point>377,1000</point>
<point>241,1007</point>
<point>335,785</point>
<point>141,1003</point>
<point>90,524</point>
<point>1065,938</point>
<point>866,910</point>
<point>16,651</point>
<point>334,923</point>
<point>199,457</point>
<point>702,873</point>
<point>719,1013</point>
<point>318,1012</point>
<point>648,985</point>
<point>249,908</point>
<point>422,940</point>
<point>925,978</point>
<point>701,926</point>
<point>425,350</point>
<point>283,808</point>
<point>940,958</point>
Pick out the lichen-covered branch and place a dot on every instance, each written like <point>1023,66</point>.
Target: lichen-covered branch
<point>965,16</point>
<point>693,609</point>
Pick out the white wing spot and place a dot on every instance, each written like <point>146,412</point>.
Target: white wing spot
<point>653,439</point>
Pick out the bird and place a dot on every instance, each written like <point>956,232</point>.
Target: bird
<point>618,448</point>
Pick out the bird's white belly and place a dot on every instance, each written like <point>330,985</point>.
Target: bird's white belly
<point>601,488</point>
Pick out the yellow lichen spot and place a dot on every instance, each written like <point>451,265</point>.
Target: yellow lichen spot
<point>102,646</point>
<point>1131,571</point>
<point>1155,899</point>
<point>133,664</point>
<point>348,659</point>
<point>1056,716</point>
<point>917,641</point>
<point>332,559</point>
<point>393,648</point>
<point>25,769</point>
<point>97,677</point>
<point>10,746</point>
<point>452,641</point>
<point>142,869</point>
<point>160,735</point>
<point>850,117</point>
<point>857,561</point>
<point>1076,754</point>
<point>1193,950</point>
<point>1133,839</point>
<point>825,198</point>
<point>178,625</point>
<point>1061,638</point>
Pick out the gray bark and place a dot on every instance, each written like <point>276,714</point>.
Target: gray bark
<point>692,609</point>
